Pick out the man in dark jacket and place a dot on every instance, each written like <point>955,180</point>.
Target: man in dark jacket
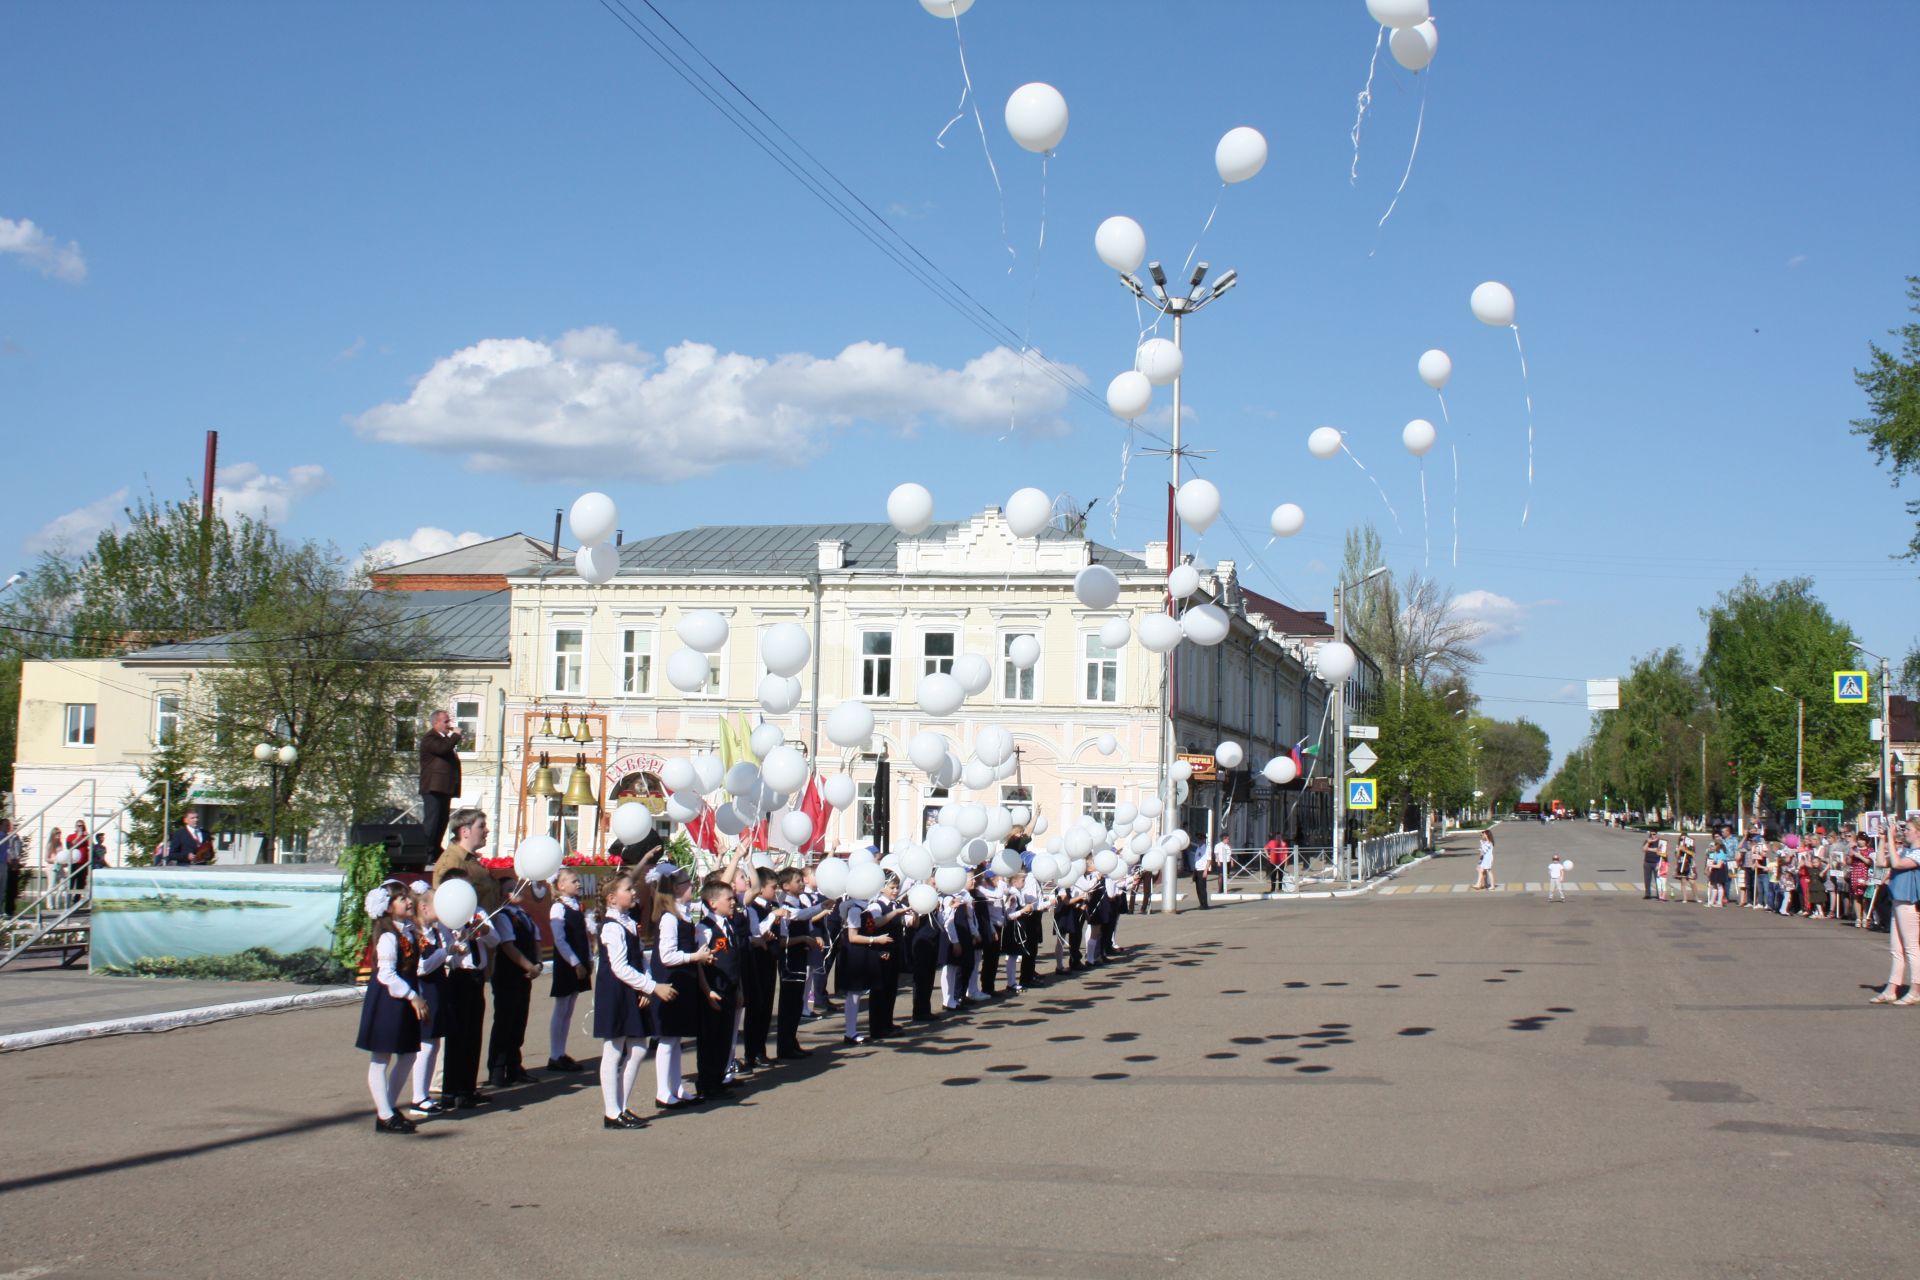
<point>189,844</point>
<point>439,776</point>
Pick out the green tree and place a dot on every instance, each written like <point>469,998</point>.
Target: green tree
<point>1513,755</point>
<point>167,780</point>
<point>1780,635</point>
<point>1892,386</point>
<point>1404,622</point>
<point>1423,762</point>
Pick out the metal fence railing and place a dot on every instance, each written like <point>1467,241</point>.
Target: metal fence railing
<point>1311,867</point>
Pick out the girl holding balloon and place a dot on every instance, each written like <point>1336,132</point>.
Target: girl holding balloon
<point>391,1012</point>
<point>436,944</point>
<point>620,1002</point>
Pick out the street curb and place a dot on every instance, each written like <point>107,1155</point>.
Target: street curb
<point>177,1018</point>
<point>1368,887</point>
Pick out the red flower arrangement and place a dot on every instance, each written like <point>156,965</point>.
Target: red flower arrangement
<point>571,860</point>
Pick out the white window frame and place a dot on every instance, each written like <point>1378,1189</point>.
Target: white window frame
<point>1010,795</point>
<point>864,799</point>
<point>716,674</point>
<point>1006,669</point>
<point>938,663</point>
<point>872,663</point>
<point>469,741</point>
<point>81,731</point>
<point>628,654</point>
<point>563,824</point>
<point>1100,802</point>
<point>554,655</point>
<point>167,710</point>
<point>1087,662</point>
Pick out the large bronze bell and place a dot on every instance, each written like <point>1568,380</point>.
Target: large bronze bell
<point>583,735</point>
<point>579,786</point>
<point>543,783</point>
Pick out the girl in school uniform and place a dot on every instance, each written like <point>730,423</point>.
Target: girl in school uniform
<point>862,951</point>
<point>620,1002</point>
<point>391,1012</point>
<point>572,926</point>
<point>677,960</point>
<point>436,944</point>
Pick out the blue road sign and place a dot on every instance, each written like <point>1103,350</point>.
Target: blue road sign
<point>1361,794</point>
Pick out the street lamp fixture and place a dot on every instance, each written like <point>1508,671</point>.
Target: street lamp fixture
<point>276,759</point>
<point>1799,757</point>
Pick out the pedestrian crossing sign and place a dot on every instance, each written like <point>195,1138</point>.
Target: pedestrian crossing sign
<point>1849,687</point>
<point>1361,794</point>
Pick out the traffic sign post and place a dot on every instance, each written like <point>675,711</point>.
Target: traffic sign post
<point>1850,688</point>
<point>1361,758</point>
<point>1368,731</point>
<point>1361,794</point>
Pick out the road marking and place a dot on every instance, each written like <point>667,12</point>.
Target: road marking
<point>1610,886</point>
<point>1462,888</point>
<point>1533,886</point>
<point>1423,888</point>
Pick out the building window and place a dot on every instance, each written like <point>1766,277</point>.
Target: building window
<point>569,660</point>
<point>930,815</point>
<point>406,716</point>
<point>939,647</point>
<point>1099,802</point>
<point>166,718</point>
<point>80,724</point>
<point>716,664</point>
<point>1011,795</point>
<point>1103,672</point>
<point>563,824</point>
<point>466,718</point>
<point>222,729</point>
<point>876,664</point>
<point>636,661</point>
<point>863,812</point>
<point>1017,685</point>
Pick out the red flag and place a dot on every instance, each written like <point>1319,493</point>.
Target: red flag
<point>814,804</point>
<point>703,832</point>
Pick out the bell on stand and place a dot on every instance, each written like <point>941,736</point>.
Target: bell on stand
<point>583,735</point>
<point>542,783</point>
<point>546,725</point>
<point>566,722</point>
<point>579,786</point>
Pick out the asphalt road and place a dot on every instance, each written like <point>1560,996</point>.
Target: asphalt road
<point>1432,1085</point>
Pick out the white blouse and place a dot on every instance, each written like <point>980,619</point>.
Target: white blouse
<point>386,954</point>
<point>616,938</point>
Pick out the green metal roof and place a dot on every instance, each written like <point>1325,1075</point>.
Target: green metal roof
<point>461,627</point>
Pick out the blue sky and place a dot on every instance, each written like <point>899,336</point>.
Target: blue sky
<point>287,223</point>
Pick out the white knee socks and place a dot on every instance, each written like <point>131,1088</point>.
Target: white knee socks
<point>399,1075</point>
<point>851,1003</point>
<point>634,1051</point>
<point>666,1069</point>
<point>377,1085</point>
<point>615,1078</point>
<point>1013,972</point>
<point>423,1066</point>
<point>558,1025</point>
<point>973,978</point>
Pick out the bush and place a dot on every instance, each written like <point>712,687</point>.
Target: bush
<point>362,867</point>
<point>256,964</point>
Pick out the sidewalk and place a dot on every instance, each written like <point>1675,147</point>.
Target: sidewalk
<point>36,1004</point>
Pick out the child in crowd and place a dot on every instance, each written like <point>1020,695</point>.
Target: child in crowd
<point>436,946</point>
<point>516,964</point>
<point>620,1002</point>
<point>391,1011</point>
<point>677,961</point>
<point>1556,879</point>
<point>571,926</point>
<point>721,937</point>
<point>1660,871</point>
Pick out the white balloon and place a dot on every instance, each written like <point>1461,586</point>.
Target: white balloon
<point>1492,304</point>
<point>1028,511</point>
<point>1418,436</point>
<point>1039,825</point>
<point>970,820</point>
<point>1079,842</point>
<point>1198,503</point>
<point>850,724</point>
<point>840,790</point>
<point>950,879</point>
<point>1281,770</point>
<point>940,694</point>
<point>455,902</point>
<point>948,775</point>
<point>687,670</point>
<point>1324,442</point>
<point>1158,633</point>
<point>1241,154</point>
<point>865,880</point>
<point>592,518</point>
<point>1106,862</point>
<point>1183,581</point>
<point>1160,360</point>
<point>778,694</point>
<point>797,827</point>
<point>975,852</point>
<point>1181,790</point>
<point>923,898</point>
<point>1414,47</point>
<point>999,823</point>
<point>1286,520</point>
<point>1398,13</point>
<point>1205,624</point>
<point>784,769</point>
<point>1153,861</point>
<point>910,508</point>
<point>597,564</point>
<point>946,8</point>
<point>891,863</point>
<point>1142,823</point>
<point>1129,395</point>
<point>1334,661</point>
<point>1228,755</point>
<point>678,774</point>
<point>1007,862</point>
<point>1139,844</point>
<point>743,779</point>
<point>537,858</point>
<point>1037,117</point>
<point>631,822</point>
<point>830,877</point>
<point>992,745</point>
<point>1023,652</point>
<point>1044,867</point>
<point>1151,806</point>
<point>1436,366</point>
<point>1021,815</point>
<point>1075,869</point>
<point>765,737</point>
<point>1006,768</point>
<point>973,672</point>
<point>1096,587</point>
<point>943,845</point>
<point>729,820</point>
<point>916,863</point>
<point>1124,813</point>
<point>707,768</point>
<point>1179,771</point>
<point>976,776</point>
<point>1121,243</point>
<point>1114,634</point>
<point>1182,840</point>
<point>702,629</point>
<point>785,648</point>
<point>684,806</point>
<point>927,750</point>
<point>1106,744</point>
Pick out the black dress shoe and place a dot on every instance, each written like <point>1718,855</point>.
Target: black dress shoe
<point>522,1076</point>
<point>853,1040</point>
<point>562,1064</point>
<point>757,1064</point>
<point>429,1107</point>
<point>471,1101</point>
<point>795,1055</point>
<point>496,1080</point>
<point>637,1120</point>
<point>395,1123</point>
<point>625,1120</point>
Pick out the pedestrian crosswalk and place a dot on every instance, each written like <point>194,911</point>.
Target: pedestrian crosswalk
<point>1530,886</point>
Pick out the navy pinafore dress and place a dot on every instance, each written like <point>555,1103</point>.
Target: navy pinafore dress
<point>616,1006</point>
<point>388,1023</point>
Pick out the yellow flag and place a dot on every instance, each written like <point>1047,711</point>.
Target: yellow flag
<point>745,735</point>
<point>729,749</point>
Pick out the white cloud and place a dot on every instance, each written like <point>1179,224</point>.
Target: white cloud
<point>1502,618</point>
<point>418,545</point>
<point>76,530</point>
<point>1798,259</point>
<point>242,488</point>
<point>351,350</point>
<point>590,405</point>
<point>41,251</point>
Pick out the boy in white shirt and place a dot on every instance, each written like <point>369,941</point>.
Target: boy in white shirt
<point>1556,874</point>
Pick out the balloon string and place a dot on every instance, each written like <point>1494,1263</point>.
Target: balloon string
<point>1527,391</point>
<point>1456,503</point>
<point>1418,124</point>
<point>1203,230</point>
<point>1376,484</point>
<point>1126,457</point>
<point>1426,531</point>
<point>1364,101</point>
<point>966,92</point>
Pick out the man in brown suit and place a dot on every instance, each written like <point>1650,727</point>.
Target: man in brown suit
<point>463,852</point>
<point>439,776</point>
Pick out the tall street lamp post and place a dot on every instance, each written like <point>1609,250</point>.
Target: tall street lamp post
<point>1886,735</point>
<point>1799,758</point>
<point>1340,723</point>
<point>275,759</point>
<point>1703,775</point>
